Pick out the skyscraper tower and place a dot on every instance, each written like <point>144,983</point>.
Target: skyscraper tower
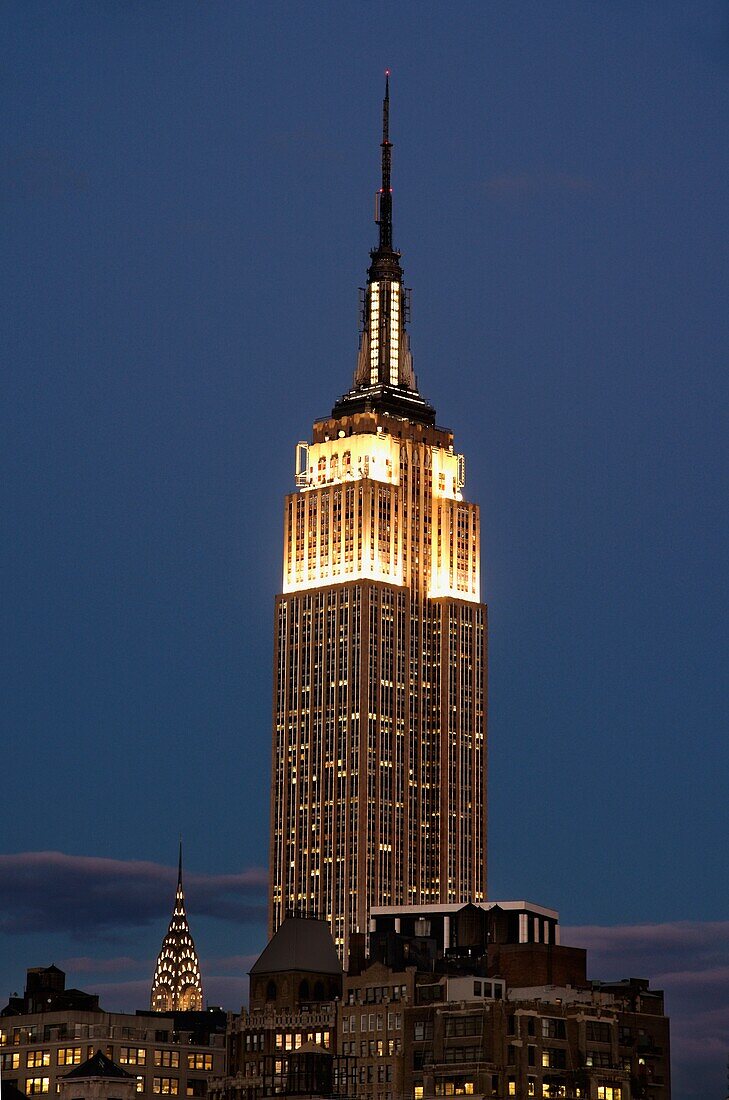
<point>176,985</point>
<point>379,726</point>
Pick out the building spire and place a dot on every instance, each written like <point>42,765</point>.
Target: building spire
<point>176,984</point>
<point>385,211</point>
<point>384,378</point>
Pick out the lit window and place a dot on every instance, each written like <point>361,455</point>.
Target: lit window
<point>35,1085</point>
<point>199,1061</point>
<point>69,1056</point>
<point>38,1058</point>
<point>132,1056</point>
<point>165,1086</point>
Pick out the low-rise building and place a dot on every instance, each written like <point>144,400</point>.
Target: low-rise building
<point>51,1030</point>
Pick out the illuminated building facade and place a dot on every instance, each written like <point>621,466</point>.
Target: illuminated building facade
<point>379,729</point>
<point>177,985</point>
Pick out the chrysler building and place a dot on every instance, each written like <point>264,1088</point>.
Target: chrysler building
<point>379,725</point>
<point>176,985</point>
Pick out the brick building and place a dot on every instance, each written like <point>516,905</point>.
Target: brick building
<point>480,1000</point>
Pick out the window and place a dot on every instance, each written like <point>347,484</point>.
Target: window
<point>69,1056</point>
<point>165,1086</point>
<point>37,1058</point>
<point>463,1025</point>
<point>10,1061</point>
<point>453,1086</point>
<point>132,1056</point>
<point>553,1029</point>
<point>459,1055</point>
<point>511,1089</point>
<point>418,1092</point>
<point>609,1092</point>
<point>168,1058</point>
<point>34,1085</point>
<point>422,1030</point>
<point>598,1031</point>
<point>554,1059</point>
<point>197,1087</point>
<point>140,1084</point>
<point>200,1061</point>
<point>531,1086</point>
<point>598,1058</point>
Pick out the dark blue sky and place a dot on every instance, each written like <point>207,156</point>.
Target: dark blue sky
<point>186,196</point>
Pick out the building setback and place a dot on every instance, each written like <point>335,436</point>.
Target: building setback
<point>379,727</point>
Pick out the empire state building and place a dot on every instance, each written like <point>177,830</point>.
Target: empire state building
<point>379,724</point>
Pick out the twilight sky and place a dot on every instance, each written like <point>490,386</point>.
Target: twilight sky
<point>186,193</point>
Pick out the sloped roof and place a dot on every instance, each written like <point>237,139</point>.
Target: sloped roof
<point>301,943</point>
<point>98,1066</point>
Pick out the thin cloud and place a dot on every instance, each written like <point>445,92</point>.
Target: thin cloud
<point>89,896</point>
<point>86,964</point>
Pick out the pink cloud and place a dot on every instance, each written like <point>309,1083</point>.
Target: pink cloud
<point>689,960</point>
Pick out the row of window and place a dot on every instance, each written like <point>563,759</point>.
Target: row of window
<point>161,1086</point>
<point>375,994</point>
<point>292,1040</point>
<point>373,1048</point>
<point>128,1056</point>
<point>449,1086</point>
<point>372,1021</point>
<point>49,1033</point>
<point>552,1088</point>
